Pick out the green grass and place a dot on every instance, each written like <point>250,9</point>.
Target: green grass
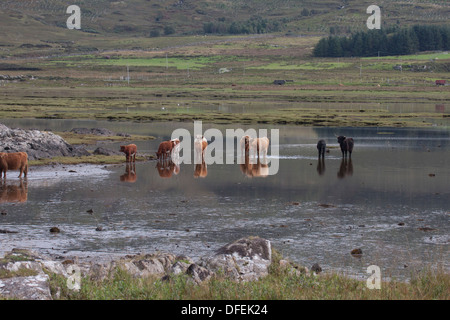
<point>423,56</point>
<point>324,92</point>
<point>90,139</point>
<point>19,273</point>
<point>304,66</point>
<point>92,159</point>
<point>280,284</point>
<point>180,63</point>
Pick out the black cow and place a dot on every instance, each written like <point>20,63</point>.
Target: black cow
<point>346,145</point>
<point>321,146</point>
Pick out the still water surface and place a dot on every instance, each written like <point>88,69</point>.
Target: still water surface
<point>392,201</point>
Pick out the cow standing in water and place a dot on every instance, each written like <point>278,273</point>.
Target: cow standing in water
<point>346,146</point>
<point>165,150</point>
<point>130,152</point>
<point>14,161</point>
<point>321,146</point>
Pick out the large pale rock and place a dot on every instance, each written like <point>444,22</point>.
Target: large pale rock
<point>32,287</point>
<point>146,265</point>
<point>26,288</point>
<point>179,267</point>
<point>37,144</point>
<point>246,259</point>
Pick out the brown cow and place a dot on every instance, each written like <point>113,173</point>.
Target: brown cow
<point>165,149</point>
<point>130,152</point>
<point>14,161</point>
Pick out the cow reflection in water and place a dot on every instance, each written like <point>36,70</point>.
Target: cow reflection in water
<point>258,169</point>
<point>346,168</point>
<point>13,193</point>
<point>201,169</point>
<point>130,173</point>
<point>166,168</point>
<point>321,166</point>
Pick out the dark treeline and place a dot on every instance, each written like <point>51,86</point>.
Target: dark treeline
<point>253,25</point>
<point>385,42</point>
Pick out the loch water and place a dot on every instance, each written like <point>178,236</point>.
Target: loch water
<point>392,200</point>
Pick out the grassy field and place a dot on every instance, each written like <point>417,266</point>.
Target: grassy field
<point>205,81</point>
<point>427,56</point>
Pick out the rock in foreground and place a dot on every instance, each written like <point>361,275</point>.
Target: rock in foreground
<point>246,259</point>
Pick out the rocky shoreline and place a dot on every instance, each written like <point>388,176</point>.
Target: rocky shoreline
<point>45,144</point>
<point>37,144</point>
<point>24,273</point>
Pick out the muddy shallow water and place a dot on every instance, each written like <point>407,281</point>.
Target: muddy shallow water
<point>392,201</point>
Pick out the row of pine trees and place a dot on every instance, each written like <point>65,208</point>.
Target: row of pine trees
<point>385,42</point>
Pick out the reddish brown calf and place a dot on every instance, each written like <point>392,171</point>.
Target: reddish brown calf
<point>164,149</point>
<point>14,161</point>
<point>130,152</point>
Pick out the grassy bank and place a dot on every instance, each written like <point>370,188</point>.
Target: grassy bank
<point>92,139</point>
<point>278,285</point>
<point>285,281</point>
<point>92,159</point>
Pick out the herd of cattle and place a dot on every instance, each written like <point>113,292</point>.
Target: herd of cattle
<point>255,147</point>
<point>168,150</point>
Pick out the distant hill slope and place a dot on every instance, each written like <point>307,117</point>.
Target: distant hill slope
<point>37,24</point>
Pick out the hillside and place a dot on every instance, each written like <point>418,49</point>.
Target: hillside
<point>39,27</point>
